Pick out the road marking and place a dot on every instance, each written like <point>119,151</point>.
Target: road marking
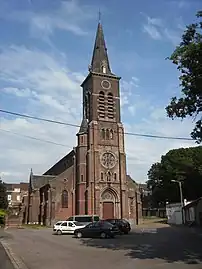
<point>16,261</point>
<point>149,230</point>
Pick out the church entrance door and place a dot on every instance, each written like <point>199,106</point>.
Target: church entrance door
<point>108,210</point>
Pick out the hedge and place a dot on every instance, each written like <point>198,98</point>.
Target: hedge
<point>2,217</point>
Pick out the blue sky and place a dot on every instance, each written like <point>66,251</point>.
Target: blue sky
<point>45,49</point>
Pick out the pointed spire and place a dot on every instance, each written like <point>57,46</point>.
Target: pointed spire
<point>84,126</point>
<point>100,61</point>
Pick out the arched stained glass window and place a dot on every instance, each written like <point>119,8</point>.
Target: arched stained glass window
<point>64,199</point>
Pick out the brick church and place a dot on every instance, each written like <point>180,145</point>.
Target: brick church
<point>91,179</point>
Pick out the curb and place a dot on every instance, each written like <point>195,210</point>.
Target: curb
<point>15,260</point>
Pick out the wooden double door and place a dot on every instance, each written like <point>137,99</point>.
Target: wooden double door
<point>108,210</point>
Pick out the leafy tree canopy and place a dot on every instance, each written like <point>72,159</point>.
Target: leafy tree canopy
<point>185,165</point>
<point>188,58</point>
<point>3,196</point>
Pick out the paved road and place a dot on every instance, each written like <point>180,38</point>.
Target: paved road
<point>165,247</point>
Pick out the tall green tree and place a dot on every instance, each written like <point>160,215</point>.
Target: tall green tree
<point>3,196</point>
<point>185,165</point>
<point>188,58</point>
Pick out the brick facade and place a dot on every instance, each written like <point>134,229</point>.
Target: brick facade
<point>92,178</point>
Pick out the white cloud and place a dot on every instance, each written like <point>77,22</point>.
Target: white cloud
<point>44,78</point>
<point>152,31</point>
<point>18,92</point>
<point>44,85</point>
<point>70,16</point>
<point>156,28</point>
<point>151,27</point>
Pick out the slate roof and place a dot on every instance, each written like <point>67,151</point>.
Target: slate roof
<point>193,203</point>
<point>132,186</point>
<point>100,55</point>
<point>61,165</point>
<point>131,182</point>
<point>37,182</point>
<point>84,126</point>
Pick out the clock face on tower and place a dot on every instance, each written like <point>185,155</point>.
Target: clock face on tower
<point>105,84</point>
<point>108,160</point>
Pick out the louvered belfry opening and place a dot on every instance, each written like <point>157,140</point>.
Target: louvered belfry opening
<point>110,106</point>
<point>101,105</point>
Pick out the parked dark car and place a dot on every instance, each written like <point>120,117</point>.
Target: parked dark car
<point>102,229</point>
<point>122,224</point>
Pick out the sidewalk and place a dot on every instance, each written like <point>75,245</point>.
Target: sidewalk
<point>5,260</point>
<point>152,223</point>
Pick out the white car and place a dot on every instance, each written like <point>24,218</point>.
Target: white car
<point>67,227</point>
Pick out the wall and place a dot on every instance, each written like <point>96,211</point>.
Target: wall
<point>65,181</point>
<point>174,213</point>
<point>199,213</point>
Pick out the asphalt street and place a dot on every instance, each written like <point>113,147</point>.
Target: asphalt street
<point>145,248</point>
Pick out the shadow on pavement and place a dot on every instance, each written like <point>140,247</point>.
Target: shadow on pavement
<point>171,244</point>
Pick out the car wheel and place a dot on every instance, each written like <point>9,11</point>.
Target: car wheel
<point>59,232</point>
<point>103,235</point>
<point>79,235</point>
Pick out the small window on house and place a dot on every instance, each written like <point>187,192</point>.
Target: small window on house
<point>81,139</point>
<point>17,190</point>
<point>82,179</point>
<point>9,197</point>
<point>103,133</point>
<point>18,198</point>
<point>64,199</point>
<point>101,176</point>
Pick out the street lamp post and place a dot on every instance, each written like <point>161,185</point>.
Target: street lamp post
<point>181,196</point>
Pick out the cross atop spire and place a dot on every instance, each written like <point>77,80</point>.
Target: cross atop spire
<point>99,16</point>
<point>100,61</point>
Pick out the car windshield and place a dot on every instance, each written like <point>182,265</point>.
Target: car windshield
<point>104,224</point>
<point>59,223</point>
<point>124,221</point>
<point>77,223</point>
<point>89,225</point>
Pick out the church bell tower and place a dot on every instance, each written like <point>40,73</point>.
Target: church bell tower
<point>101,161</point>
